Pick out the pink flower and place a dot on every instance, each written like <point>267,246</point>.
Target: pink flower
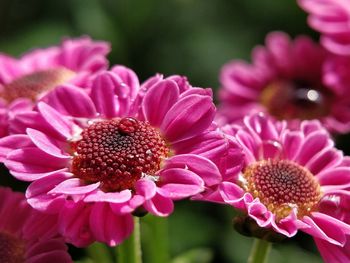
<point>285,80</point>
<point>27,235</point>
<point>332,19</point>
<point>123,149</point>
<point>26,80</point>
<point>291,180</point>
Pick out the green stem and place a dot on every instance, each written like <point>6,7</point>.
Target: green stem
<point>99,252</point>
<point>260,251</point>
<point>156,242</point>
<point>130,250</point>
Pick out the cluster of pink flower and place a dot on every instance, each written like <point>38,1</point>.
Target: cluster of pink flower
<point>99,147</point>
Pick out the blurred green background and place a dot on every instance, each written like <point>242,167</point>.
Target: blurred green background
<point>189,37</point>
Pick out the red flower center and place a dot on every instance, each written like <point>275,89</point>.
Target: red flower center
<point>282,185</point>
<point>285,99</point>
<point>11,248</point>
<point>118,152</point>
<point>31,86</point>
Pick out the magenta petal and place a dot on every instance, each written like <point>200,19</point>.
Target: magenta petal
<point>201,166</point>
<point>325,227</point>
<point>188,117</point>
<point>103,93</point>
<point>158,100</point>
<point>230,192</point>
<point>332,253</point>
<point>71,100</point>
<point>27,164</point>
<point>335,176</point>
<point>128,77</point>
<point>56,120</point>
<point>37,193</point>
<point>159,205</point>
<point>74,186</point>
<point>46,143</point>
<point>314,143</point>
<point>178,183</point>
<point>74,224</point>
<point>108,227</point>
<point>113,197</point>
<point>146,188</point>
<point>13,142</point>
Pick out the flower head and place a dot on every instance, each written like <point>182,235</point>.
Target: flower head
<point>122,148</point>
<point>291,179</point>
<point>285,80</point>
<point>25,80</point>
<point>332,19</point>
<point>27,235</point>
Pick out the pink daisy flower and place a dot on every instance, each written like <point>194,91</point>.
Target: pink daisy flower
<point>285,80</point>
<point>27,79</point>
<point>332,19</point>
<point>122,149</point>
<point>27,235</point>
<point>290,180</point>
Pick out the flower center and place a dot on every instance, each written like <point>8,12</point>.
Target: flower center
<point>286,99</point>
<point>282,185</point>
<point>12,249</point>
<point>33,85</point>
<point>118,152</point>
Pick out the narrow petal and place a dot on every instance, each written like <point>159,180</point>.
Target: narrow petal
<point>103,94</point>
<point>108,227</point>
<point>159,205</point>
<point>13,142</point>
<point>177,183</point>
<point>56,120</point>
<point>74,186</point>
<point>30,164</point>
<point>158,100</point>
<point>112,197</point>
<point>189,117</point>
<point>146,188</point>
<point>201,166</point>
<point>71,100</point>
<point>46,143</point>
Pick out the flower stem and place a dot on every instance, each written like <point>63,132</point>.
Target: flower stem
<point>260,251</point>
<point>157,242</point>
<point>130,250</point>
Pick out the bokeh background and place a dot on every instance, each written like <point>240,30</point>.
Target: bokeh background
<point>189,37</point>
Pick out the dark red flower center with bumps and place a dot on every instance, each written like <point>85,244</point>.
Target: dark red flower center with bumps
<point>118,152</point>
<point>12,249</point>
<point>32,85</point>
<point>285,99</point>
<point>282,185</point>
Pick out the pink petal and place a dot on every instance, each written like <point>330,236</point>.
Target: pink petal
<point>189,117</point>
<point>74,224</point>
<point>178,183</point>
<point>103,93</point>
<point>46,144</point>
<point>74,186</point>
<point>13,142</point>
<point>332,253</point>
<point>201,166</point>
<point>56,120</point>
<point>37,193</point>
<point>146,188</point>
<point>71,100</point>
<point>112,197</point>
<point>129,78</point>
<point>159,205</point>
<point>31,163</point>
<point>108,227</point>
<point>158,100</point>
